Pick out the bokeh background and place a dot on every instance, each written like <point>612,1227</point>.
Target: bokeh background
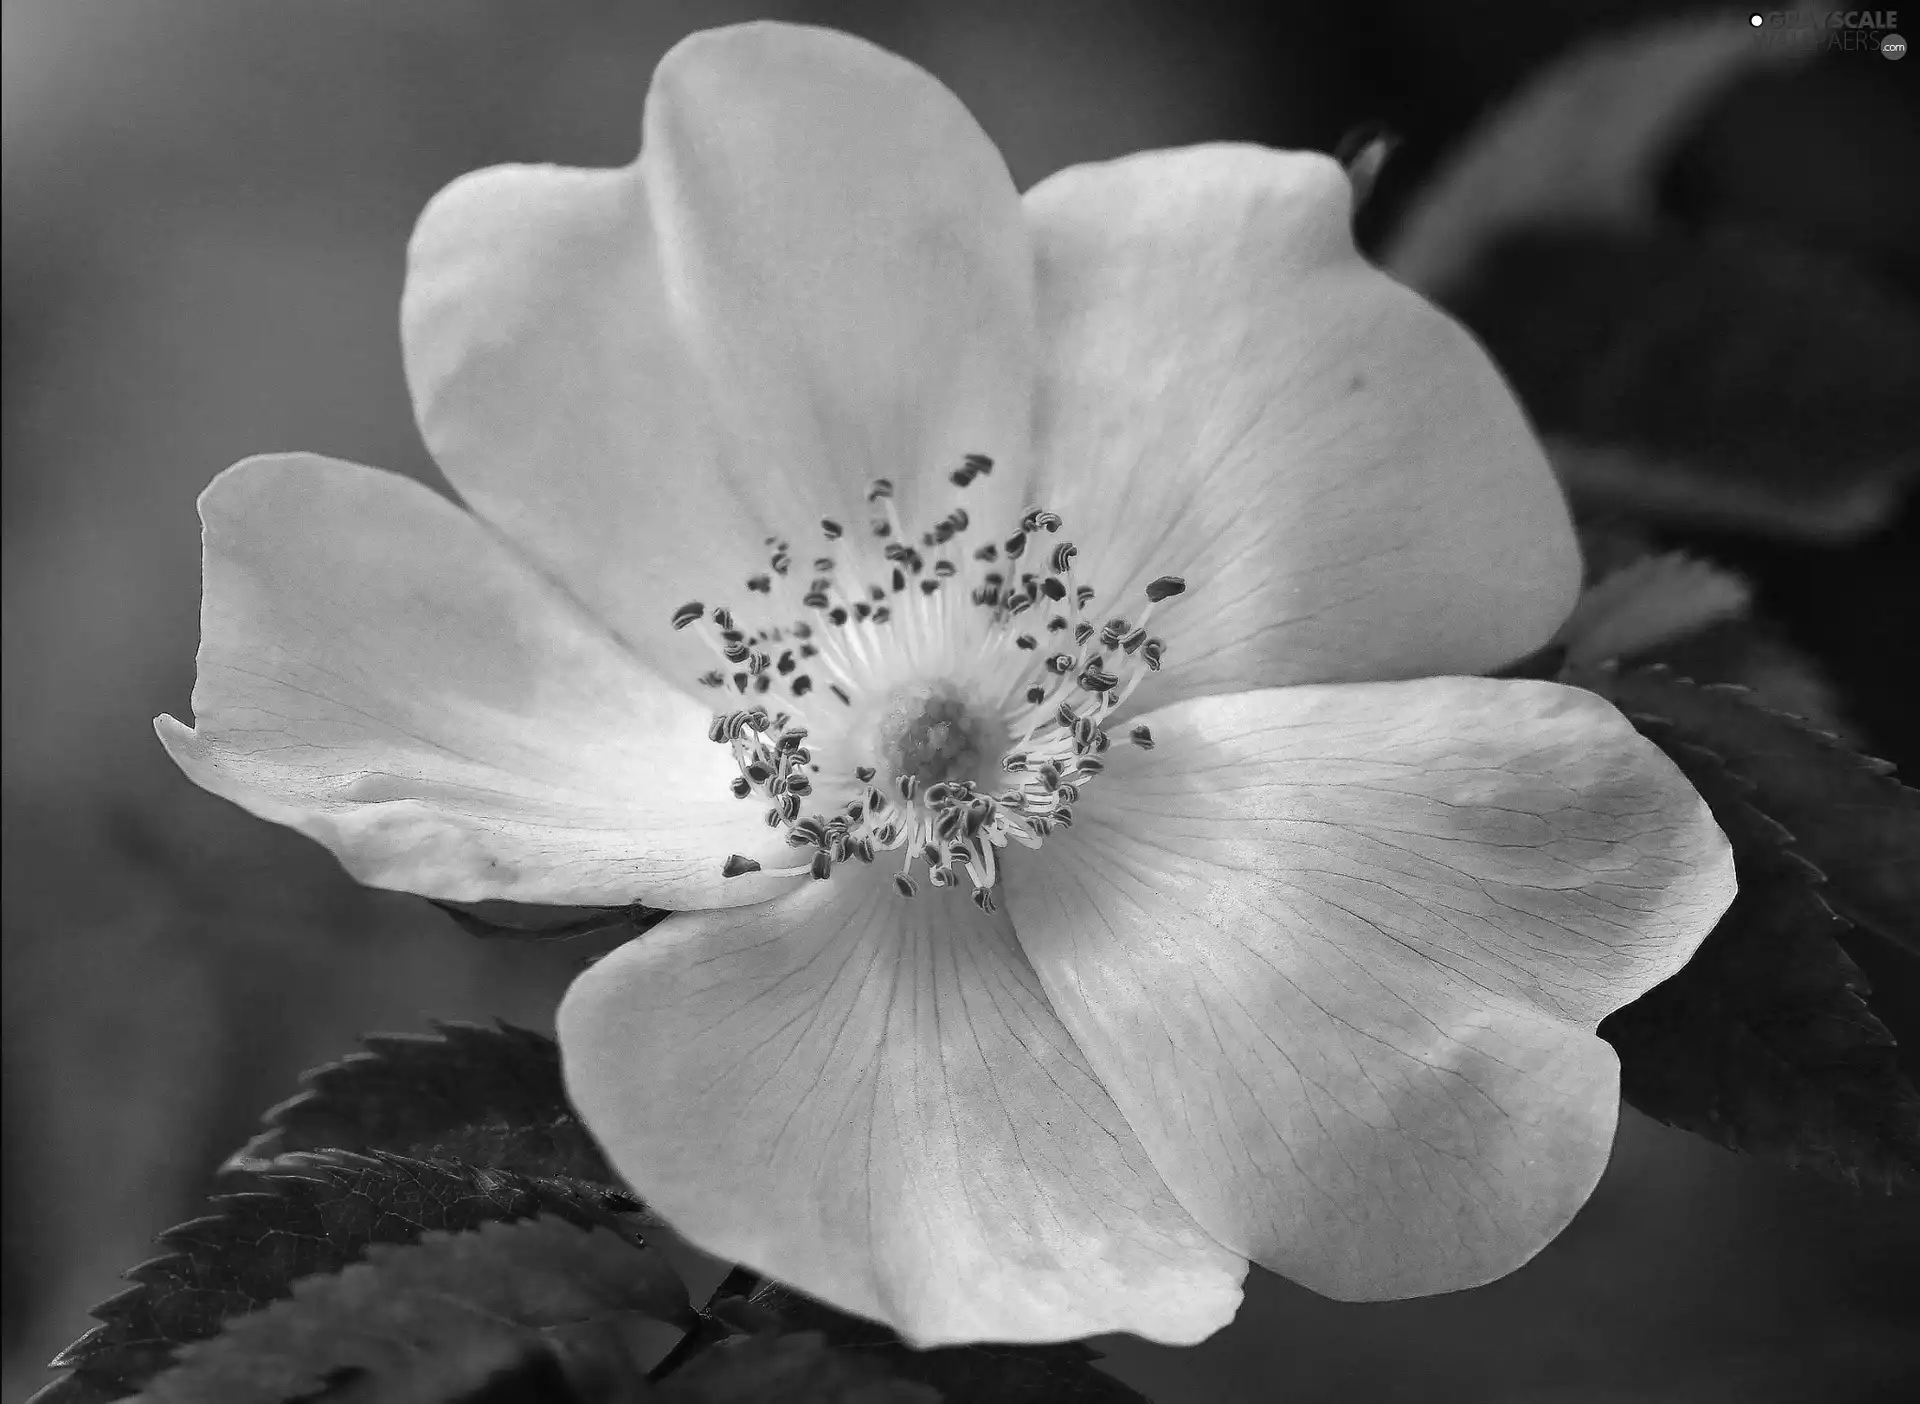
<point>206,207</point>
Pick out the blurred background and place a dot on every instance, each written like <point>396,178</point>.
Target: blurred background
<point>206,208</point>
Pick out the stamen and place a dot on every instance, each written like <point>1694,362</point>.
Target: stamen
<point>1166,587</point>
<point>939,690</point>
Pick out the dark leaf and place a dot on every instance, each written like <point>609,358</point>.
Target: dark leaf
<point>1764,1042</point>
<point>1846,813</point>
<point>1642,606</point>
<point>1004,1374</point>
<point>1804,154</point>
<point>306,1214</point>
<point>1584,142</point>
<point>481,1096</point>
<point>521,921</point>
<point>1727,381</point>
<point>430,1320</point>
<point>1750,654</point>
<point>794,1369</point>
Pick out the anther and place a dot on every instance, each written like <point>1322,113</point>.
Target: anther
<point>830,529</point>
<point>736,865</point>
<point>1165,587</point>
<point>688,613</point>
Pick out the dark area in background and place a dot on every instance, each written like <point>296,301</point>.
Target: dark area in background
<point>1779,1288</point>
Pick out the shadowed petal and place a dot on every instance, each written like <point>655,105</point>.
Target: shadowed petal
<point>1338,953</point>
<point>867,1097</point>
<point>380,673</point>
<point>816,274</point>
<point>1230,393</point>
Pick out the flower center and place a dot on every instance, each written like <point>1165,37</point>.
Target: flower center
<point>958,699</point>
<point>928,731</point>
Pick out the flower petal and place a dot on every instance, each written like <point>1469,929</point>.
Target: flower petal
<point>817,273</point>
<point>380,673</point>
<point>1338,953</point>
<point>1231,394</point>
<point>868,1098</point>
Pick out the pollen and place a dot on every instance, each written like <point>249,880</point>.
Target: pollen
<point>905,704</point>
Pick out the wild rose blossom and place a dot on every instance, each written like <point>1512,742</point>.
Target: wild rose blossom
<point>1030,643</point>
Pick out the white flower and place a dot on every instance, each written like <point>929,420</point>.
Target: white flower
<point>1313,981</point>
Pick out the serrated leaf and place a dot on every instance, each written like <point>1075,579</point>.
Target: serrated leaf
<point>1730,382</point>
<point>306,1214</point>
<point>1745,650</point>
<point>1764,1042</point>
<point>429,1320</point>
<point>521,921</point>
<point>1006,1374</point>
<point>478,1095</point>
<point>795,1369</point>
<point>1749,654</point>
<point>1580,144</point>
<point>1652,601</point>
<point>1845,813</point>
